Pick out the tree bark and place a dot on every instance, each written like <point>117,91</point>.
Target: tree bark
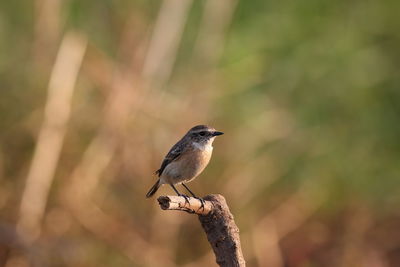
<point>217,222</point>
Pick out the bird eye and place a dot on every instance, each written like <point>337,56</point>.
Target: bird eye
<point>202,133</point>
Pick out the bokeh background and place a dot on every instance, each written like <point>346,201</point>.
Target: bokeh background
<point>94,93</point>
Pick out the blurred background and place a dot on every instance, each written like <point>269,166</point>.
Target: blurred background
<point>94,93</point>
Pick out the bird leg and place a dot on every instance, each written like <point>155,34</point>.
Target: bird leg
<point>200,199</point>
<point>181,195</point>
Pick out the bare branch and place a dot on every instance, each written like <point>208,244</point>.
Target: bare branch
<point>190,204</point>
<point>217,222</point>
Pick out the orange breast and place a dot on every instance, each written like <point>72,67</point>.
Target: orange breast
<point>194,163</point>
<point>186,167</point>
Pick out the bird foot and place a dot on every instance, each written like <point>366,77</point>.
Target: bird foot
<point>202,201</point>
<point>186,198</point>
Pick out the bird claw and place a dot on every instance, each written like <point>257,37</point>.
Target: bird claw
<point>202,201</point>
<point>186,198</point>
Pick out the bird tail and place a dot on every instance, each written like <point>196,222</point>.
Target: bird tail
<point>153,189</point>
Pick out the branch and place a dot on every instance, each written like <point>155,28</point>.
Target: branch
<point>217,222</point>
<point>190,204</point>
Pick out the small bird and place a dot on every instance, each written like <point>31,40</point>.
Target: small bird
<point>186,159</point>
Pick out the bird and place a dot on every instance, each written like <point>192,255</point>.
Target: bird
<point>186,160</point>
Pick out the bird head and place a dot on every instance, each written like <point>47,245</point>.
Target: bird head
<point>203,134</point>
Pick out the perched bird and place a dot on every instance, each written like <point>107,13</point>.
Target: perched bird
<point>186,159</point>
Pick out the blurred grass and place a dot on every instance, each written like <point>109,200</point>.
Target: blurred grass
<point>307,93</point>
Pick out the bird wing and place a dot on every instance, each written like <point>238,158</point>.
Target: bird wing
<point>173,154</point>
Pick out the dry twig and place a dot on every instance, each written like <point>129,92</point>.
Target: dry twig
<point>217,222</point>
<point>190,204</point>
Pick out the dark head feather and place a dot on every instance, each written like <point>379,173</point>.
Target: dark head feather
<point>201,128</point>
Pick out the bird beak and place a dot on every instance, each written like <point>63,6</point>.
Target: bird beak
<point>217,133</point>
